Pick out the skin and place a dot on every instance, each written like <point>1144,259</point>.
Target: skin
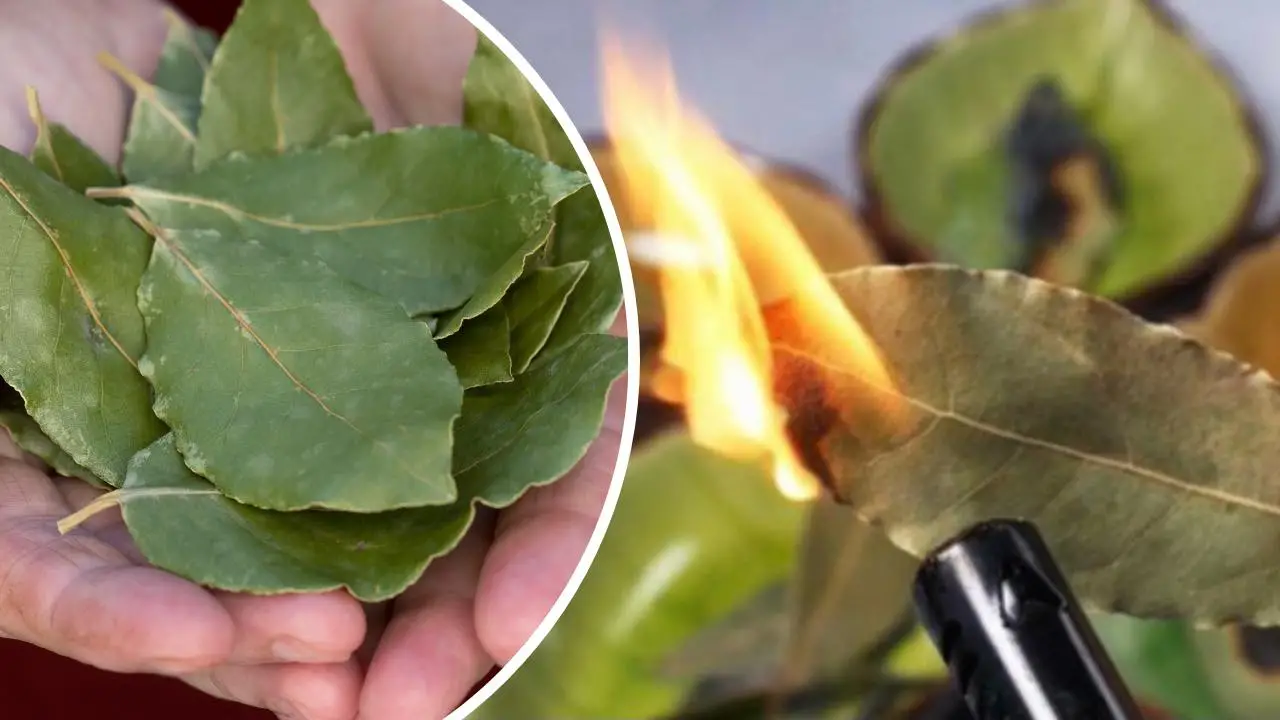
<point>90,597</point>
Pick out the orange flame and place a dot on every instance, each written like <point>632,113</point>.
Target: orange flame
<point>722,248</point>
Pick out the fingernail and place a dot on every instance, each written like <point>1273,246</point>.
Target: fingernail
<point>294,650</point>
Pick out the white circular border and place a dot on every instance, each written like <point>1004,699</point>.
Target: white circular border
<point>633,363</point>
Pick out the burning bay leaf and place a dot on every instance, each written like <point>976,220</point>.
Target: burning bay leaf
<point>532,431</point>
<point>935,155</point>
<point>671,564</point>
<point>534,306</point>
<point>161,137</point>
<point>1145,458</point>
<point>276,82</point>
<point>63,156</point>
<point>70,331</point>
<point>498,99</point>
<point>462,232</point>
<point>251,353</point>
<point>481,350</point>
<point>182,524</point>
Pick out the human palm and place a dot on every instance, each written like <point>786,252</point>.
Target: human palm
<point>90,596</point>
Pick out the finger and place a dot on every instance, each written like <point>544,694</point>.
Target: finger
<point>540,539</point>
<point>430,656</point>
<point>80,597</point>
<point>292,691</point>
<point>310,628</point>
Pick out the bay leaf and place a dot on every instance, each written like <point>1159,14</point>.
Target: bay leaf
<point>252,355</point>
<point>1239,316</point>
<point>481,350</point>
<point>478,207</point>
<point>1146,459</point>
<point>277,81</point>
<point>499,99</point>
<point>491,290</point>
<point>852,589</point>
<point>70,330</point>
<point>533,430</point>
<point>65,157</point>
<point>534,306</point>
<point>161,137</point>
<point>182,524</point>
<point>28,436</point>
<point>1158,661</point>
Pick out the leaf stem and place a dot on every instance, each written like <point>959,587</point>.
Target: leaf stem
<point>78,518</point>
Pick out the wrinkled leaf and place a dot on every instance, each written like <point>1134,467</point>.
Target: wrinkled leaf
<point>277,81</point>
<point>28,436</point>
<point>70,331</point>
<point>852,589</point>
<point>161,137</point>
<point>251,354</point>
<point>1240,315</point>
<point>481,350</point>
<point>477,207</point>
<point>534,306</point>
<point>671,563</point>
<point>65,157</point>
<point>1145,459</point>
<point>1158,661</point>
<point>498,99</point>
<point>531,431</point>
<point>492,289</point>
<point>182,524</point>
<point>931,144</point>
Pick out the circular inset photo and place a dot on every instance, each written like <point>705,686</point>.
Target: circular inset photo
<point>312,358</point>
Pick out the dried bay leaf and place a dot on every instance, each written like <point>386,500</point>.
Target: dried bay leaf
<point>492,289</point>
<point>251,355</point>
<point>182,524</point>
<point>1146,459</point>
<point>498,99</point>
<point>70,330</point>
<point>477,209</point>
<point>65,157</point>
<point>161,137</point>
<point>534,306</point>
<point>481,350</point>
<point>277,81</point>
<point>532,431</point>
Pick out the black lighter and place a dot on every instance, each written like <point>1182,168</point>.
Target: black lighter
<point>1015,638</point>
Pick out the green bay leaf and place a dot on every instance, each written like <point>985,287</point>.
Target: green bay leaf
<point>1146,459</point>
<point>277,81</point>
<point>498,99</point>
<point>532,431</point>
<point>533,307</point>
<point>70,331</point>
<point>477,209</point>
<point>65,157</point>
<point>289,388</point>
<point>182,524</point>
<point>28,436</point>
<point>490,291</point>
<point>481,350</point>
<point>162,125</point>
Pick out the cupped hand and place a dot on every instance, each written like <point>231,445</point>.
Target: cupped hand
<point>90,596</point>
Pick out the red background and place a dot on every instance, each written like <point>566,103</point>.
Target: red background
<point>36,685</point>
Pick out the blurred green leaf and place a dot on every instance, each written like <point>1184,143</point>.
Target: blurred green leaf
<point>534,306</point>
<point>932,155</point>
<point>1159,661</point>
<point>693,537</point>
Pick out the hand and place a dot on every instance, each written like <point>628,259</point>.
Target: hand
<point>90,596</point>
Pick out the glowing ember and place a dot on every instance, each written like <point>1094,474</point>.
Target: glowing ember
<point>723,248</point>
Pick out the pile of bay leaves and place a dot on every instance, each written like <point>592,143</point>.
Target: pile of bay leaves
<point>301,351</point>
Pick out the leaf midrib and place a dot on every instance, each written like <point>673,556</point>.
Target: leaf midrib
<point>1129,468</point>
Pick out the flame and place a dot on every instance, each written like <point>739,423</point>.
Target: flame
<point>722,248</point>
